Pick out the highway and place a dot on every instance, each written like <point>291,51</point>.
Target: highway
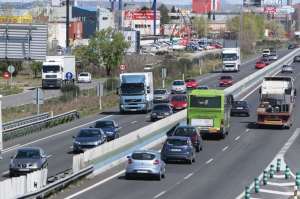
<point>239,148</point>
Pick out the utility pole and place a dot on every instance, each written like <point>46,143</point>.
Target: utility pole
<point>67,23</point>
<point>241,25</point>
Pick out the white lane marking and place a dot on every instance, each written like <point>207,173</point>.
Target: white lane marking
<point>11,147</point>
<point>247,130</point>
<point>237,137</point>
<point>288,184</point>
<point>5,172</point>
<point>133,122</point>
<point>225,148</point>
<point>276,192</point>
<point>160,194</point>
<point>209,161</point>
<point>58,133</point>
<point>186,177</point>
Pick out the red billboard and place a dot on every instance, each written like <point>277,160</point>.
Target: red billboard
<point>270,10</point>
<point>141,15</point>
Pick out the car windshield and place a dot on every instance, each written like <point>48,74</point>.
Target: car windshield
<point>161,107</point>
<point>104,124</point>
<point>273,55</point>
<point>243,103</point>
<point>286,66</point>
<point>202,87</point>
<point>177,83</point>
<point>89,133</point>
<point>225,77</point>
<point>32,154</point>
<point>176,142</point>
<point>143,156</point>
<point>185,131</point>
<point>83,74</point>
<point>179,98</point>
<point>190,80</point>
<point>259,62</point>
<point>160,92</point>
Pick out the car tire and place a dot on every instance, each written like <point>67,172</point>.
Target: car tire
<point>259,126</point>
<point>223,136</point>
<point>248,114</point>
<point>190,161</point>
<point>152,120</point>
<point>117,135</point>
<point>158,177</point>
<point>11,175</point>
<point>127,176</point>
<point>220,85</point>
<point>198,148</point>
<point>163,175</point>
<point>231,114</point>
<point>194,159</point>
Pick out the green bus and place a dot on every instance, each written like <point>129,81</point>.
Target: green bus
<point>209,110</point>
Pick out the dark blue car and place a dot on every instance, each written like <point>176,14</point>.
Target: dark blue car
<point>110,128</point>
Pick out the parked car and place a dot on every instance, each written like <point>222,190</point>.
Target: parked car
<point>287,68</point>
<point>178,86</point>
<point>110,128</point>
<point>148,67</point>
<point>192,133</point>
<point>145,163</point>
<point>225,80</point>
<point>84,77</point>
<point>88,138</point>
<point>272,49</point>
<point>266,60</point>
<point>291,46</point>
<point>240,107</point>
<point>162,52</point>
<point>273,57</point>
<point>178,101</point>
<point>27,160</point>
<point>160,111</point>
<point>259,64</point>
<point>202,88</point>
<point>191,83</point>
<point>160,95</point>
<point>169,58</point>
<point>178,148</point>
<point>297,58</point>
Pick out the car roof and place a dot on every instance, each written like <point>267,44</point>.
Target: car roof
<point>177,137</point>
<point>179,95</point>
<point>226,76</point>
<point>179,127</point>
<point>89,129</point>
<point>160,89</point>
<point>30,148</point>
<point>178,80</point>
<point>104,120</point>
<point>144,151</point>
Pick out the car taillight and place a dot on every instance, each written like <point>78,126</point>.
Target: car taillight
<point>246,108</point>
<point>156,162</point>
<point>196,138</point>
<point>165,143</point>
<point>187,143</point>
<point>233,108</point>
<point>129,161</point>
<point>222,121</point>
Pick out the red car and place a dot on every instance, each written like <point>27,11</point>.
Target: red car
<point>226,80</point>
<point>296,45</point>
<point>218,46</point>
<point>178,101</point>
<point>259,64</point>
<point>191,83</point>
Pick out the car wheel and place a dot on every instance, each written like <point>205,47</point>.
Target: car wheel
<point>117,136</point>
<point>163,175</point>
<point>127,176</point>
<point>194,159</point>
<point>259,126</point>
<point>231,114</point>
<point>248,114</point>
<point>190,161</point>
<point>220,85</point>
<point>223,136</point>
<point>74,152</point>
<point>198,148</point>
<point>11,175</point>
<point>158,177</point>
<point>152,120</point>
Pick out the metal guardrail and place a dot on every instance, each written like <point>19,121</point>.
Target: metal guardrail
<point>58,183</point>
<point>25,120</point>
<point>59,176</point>
<point>39,125</point>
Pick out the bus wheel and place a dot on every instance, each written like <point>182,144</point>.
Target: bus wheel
<point>259,126</point>
<point>227,132</point>
<point>223,136</point>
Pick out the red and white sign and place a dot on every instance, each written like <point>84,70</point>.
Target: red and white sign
<point>122,67</point>
<point>141,15</point>
<point>6,75</point>
<point>270,10</point>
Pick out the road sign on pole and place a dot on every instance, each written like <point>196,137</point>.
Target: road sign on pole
<point>100,93</point>
<point>69,75</point>
<point>6,76</point>
<point>38,97</point>
<point>122,67</point>
<point>11,69</point>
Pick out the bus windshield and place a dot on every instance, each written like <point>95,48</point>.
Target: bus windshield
<point>205,102</point>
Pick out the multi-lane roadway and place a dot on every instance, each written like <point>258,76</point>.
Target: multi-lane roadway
<point>221,170</point>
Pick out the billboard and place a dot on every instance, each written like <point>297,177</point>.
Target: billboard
<point>273,3</point>
<point>141,15</point>
<point>270,10</point>
<point>256,3</point>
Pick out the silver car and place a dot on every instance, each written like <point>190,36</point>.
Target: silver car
<point>27,160</point>
<point>145,163</point>
<point>84,77</point>
<point>287,68</point>
<point>160,95</point>
<point>272,57</point>
<point>178,86</point>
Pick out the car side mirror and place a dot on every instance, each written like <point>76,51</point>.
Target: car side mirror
<point>128,156</point>
<point>148,91</point>
<point>117,126</point>
<point>44,156</point>
<point>11,156</point>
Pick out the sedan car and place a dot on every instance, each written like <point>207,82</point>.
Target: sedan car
<point>178,86</point>
<point>160,95</point>
<point>241,107</point>
<point>297,58</point>
<point>27,160</point>
<point>178,148</point>
<point>191,83</point>
<point>266,60</point>
<point>273,49</point>
<point>88,138</point>
<point>287,68</point>
<point>273,57</point>
<point>110,128</point>
<point>178,101</point>
<point>84,77</point>
<point>225,80</point>
<point>259,64</point>
<point>145,163</point>
<point>291,46</point>
<point>160,111</point>
<point>192,133</point>
<point>202,88</point>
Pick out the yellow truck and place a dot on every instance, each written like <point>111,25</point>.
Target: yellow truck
<point>266,52</point>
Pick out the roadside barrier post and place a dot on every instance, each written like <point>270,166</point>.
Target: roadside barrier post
<point>287,172</point>
<point>271,171</point>
<point>247,192</point>
<point>278,164</point>
<point>256,182</point>
<point>297,178</point>
<point>265,179</point>
<point>295,192</point>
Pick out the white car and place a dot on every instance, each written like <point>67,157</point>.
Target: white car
<point>84,77</point>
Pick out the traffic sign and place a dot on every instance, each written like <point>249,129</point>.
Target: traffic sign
<point>11,69</point>
<point>69,75</point>
<point>38,96</point>
<point>122,67</point>
<point>6,75</point>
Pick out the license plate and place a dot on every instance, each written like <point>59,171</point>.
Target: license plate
<point>142,171</point>
<point>212,130</point>
<point>160,116</point>
<point>189,86</point>
<point>50,85</point>
<point>133,109</point>
<point>175,149</point>
<point>178,108</point>
<point>23,169</point>
<point>239,108</point>
<point>225,83</point>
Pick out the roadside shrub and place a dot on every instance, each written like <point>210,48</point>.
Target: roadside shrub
<point>69,91</point>
<point>111,84</point>
<point>185,64</point>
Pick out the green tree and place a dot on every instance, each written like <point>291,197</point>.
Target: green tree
<point>164,14</point>
<point>173,10</point>
<point>201,25</point>
<point>36,67</point>
<point>276,28</point>
<point>16,64</point>
<point>145,8</point>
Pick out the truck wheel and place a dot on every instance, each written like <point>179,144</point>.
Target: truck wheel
<point>259,126</point>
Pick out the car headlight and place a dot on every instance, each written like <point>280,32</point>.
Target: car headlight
<point>167,113</point>
<point>153,113</point>
<point>185,105</point>
<point>35,164</point>
<point>96,142</point>
<point>12,165</point>
<point>109,133</point>
<point>76,142</point>
<point>171,104</point>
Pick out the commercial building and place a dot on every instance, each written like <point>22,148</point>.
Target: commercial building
<point>205,6</point>
<point>15,16</point>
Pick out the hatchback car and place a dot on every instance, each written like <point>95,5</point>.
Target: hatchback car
<point>202,88</point>
<point>273,57</point>
<point>191,83</point>
<point>178,148</point>
<point>88,138</point>
<point>160,95</point>
<point>225,80</point>
<point>84,77</point>
<point>241,107</point>
<point>178,86</point>
<point>110,128</point>
<point>27,160</point>
<point>291,46</point>
<point>265,60</point>
<point>160,111</point>
<point>287,68</point>
<point>191,132</point>
<point>178,102</point>
<point>145,163</point>
<point>297,58</point>
<point>273,49</point>
<point>259,64</point>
